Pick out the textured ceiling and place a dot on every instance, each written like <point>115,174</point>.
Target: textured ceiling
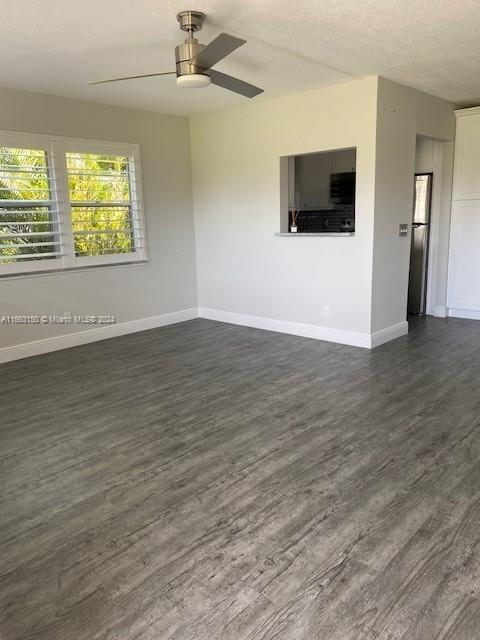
<point>56,46</point>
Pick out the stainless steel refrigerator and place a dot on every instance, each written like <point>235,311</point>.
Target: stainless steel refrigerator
<point>417,289</point>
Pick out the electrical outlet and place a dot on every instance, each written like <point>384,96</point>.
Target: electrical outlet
<point>325,311</point>
<point>403,231</point>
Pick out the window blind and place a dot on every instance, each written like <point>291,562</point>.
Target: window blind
<point>29,224</point>
<point>103,204</point>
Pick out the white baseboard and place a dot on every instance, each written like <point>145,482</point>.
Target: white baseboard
<point>316,332</point>
<point>390,333</point>
<point>440,312</point>
<point>467,314</point>
<point>45,345</point>
<point>339,336</point>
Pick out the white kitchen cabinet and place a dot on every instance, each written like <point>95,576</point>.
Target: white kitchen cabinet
<point>464,269</point>
<point>465,256</point>
<point>466,183</point>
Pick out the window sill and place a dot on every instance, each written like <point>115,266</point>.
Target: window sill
<point>325,234</point>
<point>59,272</point>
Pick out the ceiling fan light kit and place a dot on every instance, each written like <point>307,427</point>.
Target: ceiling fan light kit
<point>193,81</point>
<point>194,61</point>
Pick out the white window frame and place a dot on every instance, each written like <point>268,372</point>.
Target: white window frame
<point>57,147</point>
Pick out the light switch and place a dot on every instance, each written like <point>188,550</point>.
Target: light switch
<point>403,231</point>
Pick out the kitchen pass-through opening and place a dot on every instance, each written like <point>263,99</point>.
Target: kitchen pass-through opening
<point>318,192</point>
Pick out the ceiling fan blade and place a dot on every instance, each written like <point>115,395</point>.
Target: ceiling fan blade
<point>234,84</point>
<point>145,75</point>
<point>216,51</point>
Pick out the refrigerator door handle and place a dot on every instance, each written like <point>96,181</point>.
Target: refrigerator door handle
<point>415,225</point>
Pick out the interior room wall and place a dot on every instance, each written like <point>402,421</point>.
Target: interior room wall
<point>403,113</point>
<point>245,272</point>
<point>167,282</point>
<point>424,155</point>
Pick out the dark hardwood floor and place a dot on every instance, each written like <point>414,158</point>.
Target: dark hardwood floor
<point>205,481</point>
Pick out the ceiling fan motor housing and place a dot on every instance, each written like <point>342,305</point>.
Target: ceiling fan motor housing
<point>185,52</point>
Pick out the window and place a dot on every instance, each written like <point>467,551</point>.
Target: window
<point>68,203</point>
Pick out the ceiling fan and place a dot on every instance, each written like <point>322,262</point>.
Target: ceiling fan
<point>194,61</point>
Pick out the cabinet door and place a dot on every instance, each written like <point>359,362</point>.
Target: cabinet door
<point>466,183</point>
<point>464,276</point>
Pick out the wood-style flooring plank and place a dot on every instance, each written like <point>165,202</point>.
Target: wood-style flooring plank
<point>205,481</point>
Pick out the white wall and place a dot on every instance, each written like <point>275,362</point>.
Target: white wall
<point>424,155</point>
<point>402,114</point>
<point>167,282</point>
<point>242,266</point>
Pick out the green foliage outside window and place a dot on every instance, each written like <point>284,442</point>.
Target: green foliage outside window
<point>99,188</point>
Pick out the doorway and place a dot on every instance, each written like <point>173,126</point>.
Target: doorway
<point>422,206</point>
